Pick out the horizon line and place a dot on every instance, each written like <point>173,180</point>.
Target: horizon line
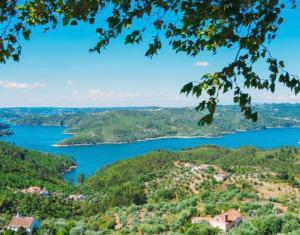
<point>128,106</point>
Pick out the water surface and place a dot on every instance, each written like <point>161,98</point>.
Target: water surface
<point>91,158</point>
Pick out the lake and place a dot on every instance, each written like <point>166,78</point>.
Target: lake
<point>91,158</point>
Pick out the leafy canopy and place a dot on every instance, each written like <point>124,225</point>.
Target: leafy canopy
<point>246,26</point>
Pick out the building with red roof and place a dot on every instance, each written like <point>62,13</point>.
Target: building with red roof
<point>226,220</point>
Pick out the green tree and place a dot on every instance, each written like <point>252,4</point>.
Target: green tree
<point>243,26</point>
<point>80,178</point>
<point>270,225</point>
<point>201,229</point>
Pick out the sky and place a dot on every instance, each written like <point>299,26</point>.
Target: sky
<point>56,69</point>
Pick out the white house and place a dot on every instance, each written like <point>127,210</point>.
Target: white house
<point>28,223</point>
<point>226,220</point>
<point>77,197</point>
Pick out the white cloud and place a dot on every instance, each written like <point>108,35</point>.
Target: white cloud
<point>21,85</point>
<point>282,99</point>
<point>182,98</point>
<point>70,82</point>
<point>97,93</point>
<point>94,92</point>
<point>201,63</point>
<point>75,92</point>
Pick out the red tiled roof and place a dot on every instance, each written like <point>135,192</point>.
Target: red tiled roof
<point>232,216</point>
<point>34,189</point>
<point>21,222</point>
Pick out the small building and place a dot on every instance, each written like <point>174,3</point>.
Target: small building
<point>36,190</point>
<point>44,192</point>
<point>220,177</point>
<point>77,197</point>
<point>226,220</point>
<point>29,224</point>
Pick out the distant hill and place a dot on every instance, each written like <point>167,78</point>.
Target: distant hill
<point>4,129</point>
<point>92,126</point>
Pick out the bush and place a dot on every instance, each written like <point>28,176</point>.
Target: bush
<point>201,229</point>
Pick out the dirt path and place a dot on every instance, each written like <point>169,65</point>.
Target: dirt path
<point>118,224</point>
<point>141,216</point>
<point>92,134</point>
<point>192,186</point>
<point>129,221</point>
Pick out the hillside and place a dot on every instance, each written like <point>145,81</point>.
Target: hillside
<point>114,126</point>
<point>158,193</point>
<point>4,130</point>
<point>21,168</point>
<point>176,193</point>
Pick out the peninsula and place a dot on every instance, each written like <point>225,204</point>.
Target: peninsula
<point>96,126</point>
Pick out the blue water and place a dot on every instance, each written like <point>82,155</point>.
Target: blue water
<point>91,158</point>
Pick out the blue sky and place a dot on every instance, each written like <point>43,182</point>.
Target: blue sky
<point>56,69</point>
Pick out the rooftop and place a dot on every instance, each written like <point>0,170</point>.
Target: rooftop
<point>229,216</point>
<point>21,222</point>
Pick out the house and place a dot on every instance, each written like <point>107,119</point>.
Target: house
<point>77,197</point>
<point>29,224</point>
<point>226,220</point>
<point>220,177</point>
<point>44,193</point>
<point>36,190</point>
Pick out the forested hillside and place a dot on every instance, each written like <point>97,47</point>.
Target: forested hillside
<point>96,126</point>
<point>163,192</point>
<point>21,168</point>
<point>158,193</point>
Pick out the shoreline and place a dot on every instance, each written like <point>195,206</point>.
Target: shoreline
<point>142,140</point>
<point>172,137</point>
<point>71,168</point>
<point>7,132</point>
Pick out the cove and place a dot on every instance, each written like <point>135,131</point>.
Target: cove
<point>91,158</point>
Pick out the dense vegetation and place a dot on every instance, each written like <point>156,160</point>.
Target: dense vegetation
<point>158,193</point>
<point>99,126</point>
<point>161,193</point>
<point>20,169</point>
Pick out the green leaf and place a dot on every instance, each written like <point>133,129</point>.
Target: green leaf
<point>187,88</point>
<point>74,22</point>
<point>26,34</point>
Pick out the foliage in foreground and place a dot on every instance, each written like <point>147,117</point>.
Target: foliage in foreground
<point>243,27</point>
